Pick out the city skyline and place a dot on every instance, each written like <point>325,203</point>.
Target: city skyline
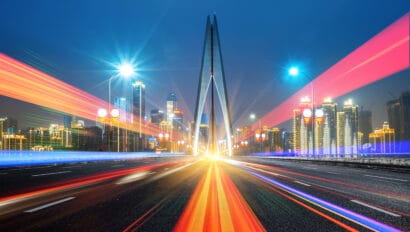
<point>270,71</point>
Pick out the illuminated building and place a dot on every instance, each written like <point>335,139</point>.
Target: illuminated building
<point>1,132</point>
<point>399,119</point>
<point>383,140</point>
<point>340,132</point>
<point>275,140</point>
<point>10,126</point>
<point>287,138</point>
<point>204,128</point>
<point>351,127</point>
<point>138,99</point>
<point>157,116</point>
<point>138,110</point>
<point>67,121</point>
<point>171,106</point>
<point>329,141</point>
<point>178,119</point>
<point>296,130</point>
<point>365,125</point>
<point>306,129</point>
<point>124,105</point>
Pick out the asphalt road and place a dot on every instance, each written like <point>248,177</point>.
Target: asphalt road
<point>193,194</point>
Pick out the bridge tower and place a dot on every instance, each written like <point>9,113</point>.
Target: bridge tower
<point>212,75</point>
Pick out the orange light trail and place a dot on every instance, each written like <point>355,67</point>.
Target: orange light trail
<point>217,205</point>
<point>23,82</point>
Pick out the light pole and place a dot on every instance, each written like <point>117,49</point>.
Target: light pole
<point>294,72</point>
<point>124,70</point>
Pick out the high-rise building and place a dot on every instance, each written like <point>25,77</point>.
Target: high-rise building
<point>393,114</point>
<point>204,128</point>
<point>138,99</point>
<point>399,119</point>
<point>275,140</point>
<point>404,100</point>
<point>365,124</point>
<point>178,120</point>
<point>1,131</point>
<point>10,125</point>
<point>157,116</point>
<point>329,143</point>
<point>351,128</point>
<point>383,140</point>
<point>138,104</point>
<point>340,134</point>
<point>171,106</point>
<point>319,131</point>
<point>124,105</point>
<point>297,120</point>
<point>306,127</point>
<point>67,120</point>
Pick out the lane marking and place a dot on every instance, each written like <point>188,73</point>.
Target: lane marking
<point>51,173</point>
<point>309,168</point>
<point>387,178</point>
<point>375,208</point>
<point>335,173</point>
<point>302,183</point>
<point>49,205</point>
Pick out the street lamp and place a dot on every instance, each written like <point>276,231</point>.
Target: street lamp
<point>307,113</point>
<point>124,70</point>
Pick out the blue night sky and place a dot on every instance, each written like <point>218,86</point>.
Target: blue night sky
<point>80,41</point>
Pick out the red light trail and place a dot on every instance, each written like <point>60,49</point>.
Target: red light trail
<point>383,55</point>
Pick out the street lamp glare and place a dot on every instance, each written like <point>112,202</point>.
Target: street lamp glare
<point>293,71</point>
<point>252,116</point>
<point>102,113</point>
<point>126,70</point>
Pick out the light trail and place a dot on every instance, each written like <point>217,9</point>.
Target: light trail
<point>79,182</point>
<point>30,158</point>
<point>340,211</point>
<point>259,167</point>
<point>217,205</point>
<point>380,57</point>
<point>23,82</point>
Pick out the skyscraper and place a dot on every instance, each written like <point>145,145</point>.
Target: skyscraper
<point>178,120</point>
<point>297,120</point>
<point>138,104</point>
<point>306,129</point>
<point>351,128</point>
<point>399,119</point>
<point>157,116</point>
<point>340,125</point>
<point>393,114</point>
<point>171,106</point>
<point>365,124</point>
<point>138,99</point>
<point>329,127</point>
<point>404,100</point>
<point>124,105</point>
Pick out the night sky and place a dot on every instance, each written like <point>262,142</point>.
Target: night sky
<point>80,42</point>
